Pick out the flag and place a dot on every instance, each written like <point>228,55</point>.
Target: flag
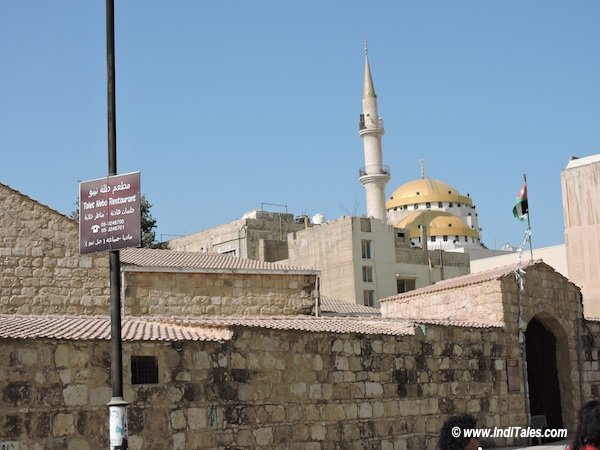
<point>521,208</point>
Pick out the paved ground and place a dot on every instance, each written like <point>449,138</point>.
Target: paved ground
<point>554,446</point>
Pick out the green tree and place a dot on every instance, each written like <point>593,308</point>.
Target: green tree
<point>148,224</point>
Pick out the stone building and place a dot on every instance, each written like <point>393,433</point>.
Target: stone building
<point>222,352</point>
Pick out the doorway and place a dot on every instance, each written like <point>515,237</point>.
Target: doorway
<point>542,374</point>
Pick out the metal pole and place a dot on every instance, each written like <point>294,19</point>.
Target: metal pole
<point>117,405</point>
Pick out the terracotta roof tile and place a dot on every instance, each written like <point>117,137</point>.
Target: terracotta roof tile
<point>205,328</point>
<point>459,323</point>
<point>202,262</point>
<point>342,307</point>
<point>358,325</point>
<point>98,328</point>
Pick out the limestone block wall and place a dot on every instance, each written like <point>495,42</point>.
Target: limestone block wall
<point>152,293</point>
<point>554,301</point>
<point>481,302</point>
<point>264,389</point>
<point>590,349</point>
<point>41,271</point>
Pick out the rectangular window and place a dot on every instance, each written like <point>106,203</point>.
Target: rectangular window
<point>367,274</point>
<point>144,370</point>
<point>427,205</point>
<point>405,285</point>
<point>445,238</point>
<point>369,297</point>
<point>432,238</point>
<point>365,224</point>
<point>366,248</point>
<point>440,205</point>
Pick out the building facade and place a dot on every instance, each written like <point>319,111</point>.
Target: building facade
<point>581,205</point>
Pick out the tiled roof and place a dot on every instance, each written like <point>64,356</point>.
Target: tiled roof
<point>98,328</point>
<point>205,328</point>
<point>342,307</point>
<point>465,280</point>
<point>202,262</point>
<point>357,325</point>
<point>459,323</point>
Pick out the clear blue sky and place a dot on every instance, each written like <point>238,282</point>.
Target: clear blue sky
<point>224,105</point>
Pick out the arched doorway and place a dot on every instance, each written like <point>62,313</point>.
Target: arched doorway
<point>542,373</point>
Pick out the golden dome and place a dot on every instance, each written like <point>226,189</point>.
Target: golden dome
<point>425,190</point>
<point>438,223</point>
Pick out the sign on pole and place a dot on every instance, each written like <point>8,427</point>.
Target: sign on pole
<point>110,213</point>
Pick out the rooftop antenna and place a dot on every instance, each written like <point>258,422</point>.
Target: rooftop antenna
<point>422,164</point>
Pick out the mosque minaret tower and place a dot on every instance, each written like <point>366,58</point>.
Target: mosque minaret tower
<point>374,175</point>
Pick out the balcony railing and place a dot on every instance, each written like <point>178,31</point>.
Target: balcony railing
<point>374,170</point>
<point>362,124</point>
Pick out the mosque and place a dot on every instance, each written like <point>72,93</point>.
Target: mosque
<point>425,232</point>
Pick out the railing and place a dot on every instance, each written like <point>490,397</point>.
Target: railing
<point>374,170</point>
<point>362,125</point>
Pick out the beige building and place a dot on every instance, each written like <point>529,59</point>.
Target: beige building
<point>365,260</point>
<point>581,205</point>
<point>259,234</point>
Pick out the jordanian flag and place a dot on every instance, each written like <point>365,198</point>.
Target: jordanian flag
<point>521,208</point>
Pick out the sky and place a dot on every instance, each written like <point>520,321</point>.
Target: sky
<point>226,107</point>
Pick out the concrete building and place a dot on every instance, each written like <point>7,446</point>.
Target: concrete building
<point>364,259</point>
<point>581,205</point>
<point>259,234</point>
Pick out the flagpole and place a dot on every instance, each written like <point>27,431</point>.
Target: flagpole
<point>528,220</point>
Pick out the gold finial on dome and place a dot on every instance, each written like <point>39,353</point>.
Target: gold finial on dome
<point>422,163</point>
<point>366,48</point>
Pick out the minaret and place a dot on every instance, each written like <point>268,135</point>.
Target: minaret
<point>373,176</point>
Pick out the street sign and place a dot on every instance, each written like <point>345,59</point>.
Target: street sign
<point>110,213</point>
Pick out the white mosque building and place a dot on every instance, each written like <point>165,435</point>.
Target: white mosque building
<point>448,217</point>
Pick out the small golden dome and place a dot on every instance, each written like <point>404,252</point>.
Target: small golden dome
<point>438,223</point>
<point>425,190</point>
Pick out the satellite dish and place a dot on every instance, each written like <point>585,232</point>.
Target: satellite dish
<point>318,219</point>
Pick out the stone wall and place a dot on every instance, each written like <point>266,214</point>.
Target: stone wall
<point>263,389</point>
<point>590,349</point>
<point>481,302</point>
<point>187,294</point>
<point>41,269</point>
<point>547,297</point>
